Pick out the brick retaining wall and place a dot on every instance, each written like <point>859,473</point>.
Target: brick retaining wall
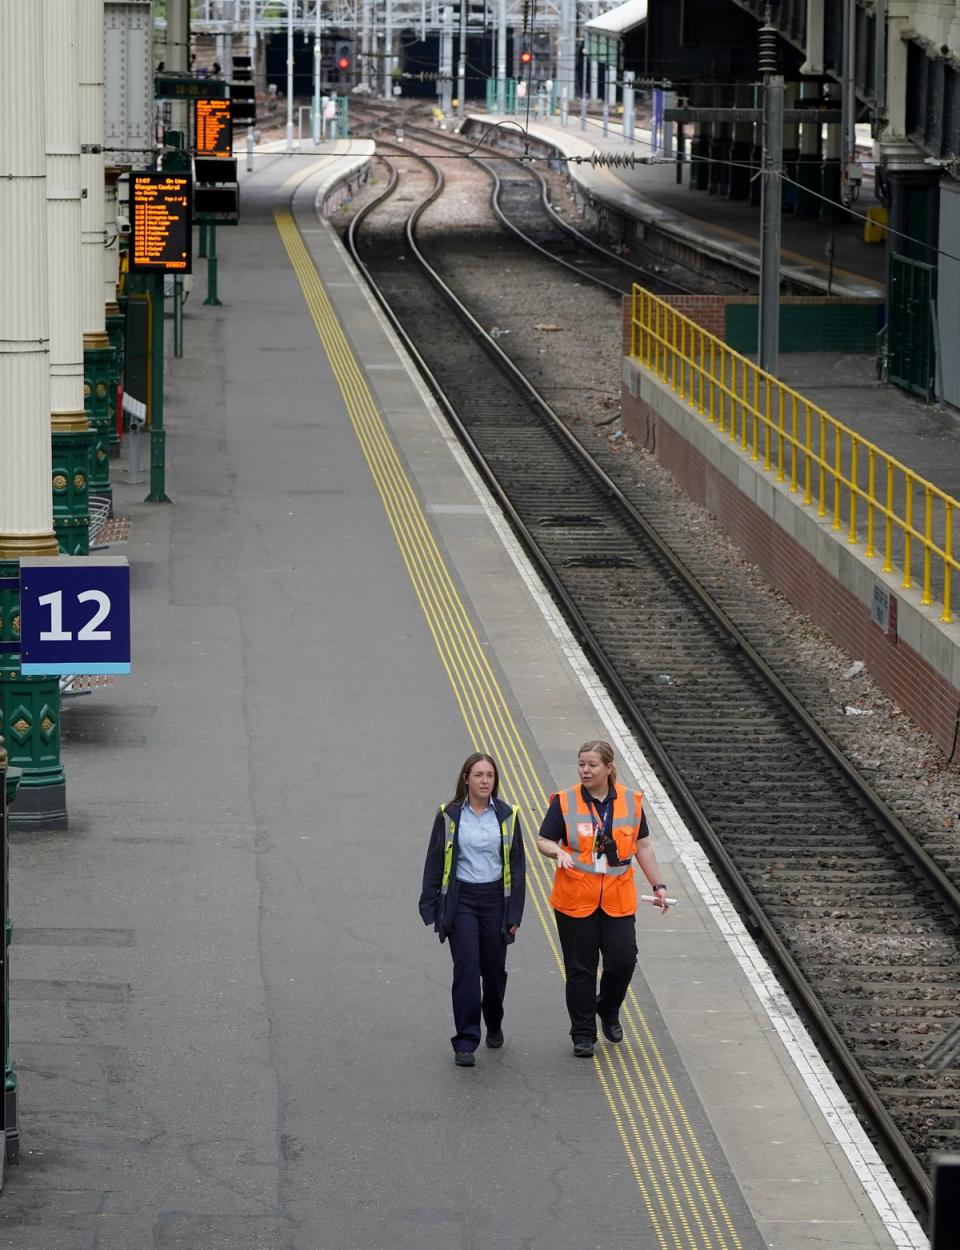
<point>920,689</point>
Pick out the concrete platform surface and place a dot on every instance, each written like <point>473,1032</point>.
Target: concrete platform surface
<point>230,1026</point>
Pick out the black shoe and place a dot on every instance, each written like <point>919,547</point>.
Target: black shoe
<point>495,1038</point>
<point>464,1058</point>
<point>612,1029</point>
<point>583,1049</point>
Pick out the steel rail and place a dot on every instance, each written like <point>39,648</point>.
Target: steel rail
<point>899,838</point>
<point>471,151</point>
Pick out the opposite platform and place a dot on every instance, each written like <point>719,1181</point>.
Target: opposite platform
<point>728,230</point>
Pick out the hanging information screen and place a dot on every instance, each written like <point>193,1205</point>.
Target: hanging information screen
<point>161,217</point>
<point>213,128</point>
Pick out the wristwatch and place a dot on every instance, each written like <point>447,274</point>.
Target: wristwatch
<point>661,886</point>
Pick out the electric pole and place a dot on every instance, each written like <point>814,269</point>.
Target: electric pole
<point>770,201</point>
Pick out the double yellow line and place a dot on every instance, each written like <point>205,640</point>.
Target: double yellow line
<point>678,1189</point>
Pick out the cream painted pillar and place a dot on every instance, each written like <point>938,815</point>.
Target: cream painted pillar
<point>71,430</point>
<point>176,54</point>
<point>99,358</point>
<point>896,128</point>
<point>91,169</point>
<point>111,253</point>
<point>26,511</point>
<point>29,706</point>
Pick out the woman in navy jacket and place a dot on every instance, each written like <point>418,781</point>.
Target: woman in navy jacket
<point>474,884</point>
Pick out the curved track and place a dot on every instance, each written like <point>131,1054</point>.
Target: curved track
<point>520,199</point>
<point>864,927</point>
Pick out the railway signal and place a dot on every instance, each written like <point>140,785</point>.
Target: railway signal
<point>526,56</point>
<point>343,56</point>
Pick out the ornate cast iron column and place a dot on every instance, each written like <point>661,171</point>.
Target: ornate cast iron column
<point>29,707</point>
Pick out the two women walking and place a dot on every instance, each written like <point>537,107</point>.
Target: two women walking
<point>474,888</point>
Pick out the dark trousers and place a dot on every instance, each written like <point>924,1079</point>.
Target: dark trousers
<point>583,939</point>
<point>479,952</point>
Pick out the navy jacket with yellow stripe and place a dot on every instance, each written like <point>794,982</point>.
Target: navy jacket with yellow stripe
<point>440,911</point>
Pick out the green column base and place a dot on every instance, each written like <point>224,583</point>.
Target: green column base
<point>808,193</point>
<point>99,374</point>
<point>11,1153</point>
<point>11,1136</point>
<point>72,451</point>
<point>115,325</point>
<point>832,213</point>
<point>30,725</point>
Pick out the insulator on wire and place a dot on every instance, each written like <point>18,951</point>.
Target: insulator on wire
<point>768,49</point>
<point>612,160</point>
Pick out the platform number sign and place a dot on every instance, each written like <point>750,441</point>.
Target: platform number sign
<point>74,615</point>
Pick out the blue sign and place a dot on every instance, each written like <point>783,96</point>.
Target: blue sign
<point>74,615</point>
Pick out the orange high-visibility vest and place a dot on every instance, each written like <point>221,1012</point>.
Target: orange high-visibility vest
<point>580,890</point>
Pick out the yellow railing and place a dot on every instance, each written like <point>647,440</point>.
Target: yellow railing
<point>848,478</point>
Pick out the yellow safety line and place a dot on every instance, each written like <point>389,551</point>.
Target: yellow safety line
<point>665,1156</point>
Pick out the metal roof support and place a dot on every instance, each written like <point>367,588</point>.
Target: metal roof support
<point>771,207</point>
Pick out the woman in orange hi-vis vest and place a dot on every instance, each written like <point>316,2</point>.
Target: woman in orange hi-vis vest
<point>594,831</point>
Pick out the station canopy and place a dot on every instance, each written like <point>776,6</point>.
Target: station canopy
<point>604,33</point>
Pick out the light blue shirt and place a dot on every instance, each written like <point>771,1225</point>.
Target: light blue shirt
<point>480,859</point>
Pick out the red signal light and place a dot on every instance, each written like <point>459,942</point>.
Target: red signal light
<point>526,56</point>
<point>343,63</point>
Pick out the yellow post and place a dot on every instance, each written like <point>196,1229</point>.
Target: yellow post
<point>781,417</point>
<point>948,559</point>
<point>927,537</point>
<point>808,449</point>
<point>888,522</point>
<point>871,499</point>
<point>852,533</point>
<point>907,530</point>
<point>673,349</point>
<point>795,434</point>
<point>837,469</point>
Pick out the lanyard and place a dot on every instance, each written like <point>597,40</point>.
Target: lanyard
<point>599,826</point>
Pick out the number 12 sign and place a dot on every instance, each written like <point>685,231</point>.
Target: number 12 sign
<point>74,615</point>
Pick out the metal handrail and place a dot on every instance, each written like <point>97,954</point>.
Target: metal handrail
<point>833,466</point>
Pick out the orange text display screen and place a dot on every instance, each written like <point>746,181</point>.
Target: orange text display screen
<point>160,210</point>
<point>213,128</point>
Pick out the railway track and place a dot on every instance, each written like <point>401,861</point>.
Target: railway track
<point>521,201</point>
<point>863,926</point>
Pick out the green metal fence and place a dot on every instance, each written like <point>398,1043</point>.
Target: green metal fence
<point>911,347</point>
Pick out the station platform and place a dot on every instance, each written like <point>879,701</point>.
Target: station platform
<point>231,1027</point>
<point>727,229</point>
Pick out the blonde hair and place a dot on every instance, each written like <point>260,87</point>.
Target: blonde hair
<point>605,751</point>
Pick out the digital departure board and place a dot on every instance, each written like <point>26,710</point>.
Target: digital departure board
<point>213,128</point>
<point>186,87</point>
<point>161,217</point>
